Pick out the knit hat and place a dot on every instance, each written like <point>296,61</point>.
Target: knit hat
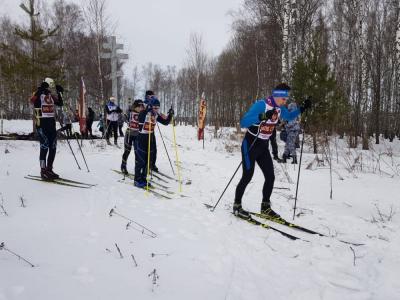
<point>155,102</point>
<point>137,103</point>
<point>149,93</point>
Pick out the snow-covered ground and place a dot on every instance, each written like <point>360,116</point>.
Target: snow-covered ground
<point>68,235</point>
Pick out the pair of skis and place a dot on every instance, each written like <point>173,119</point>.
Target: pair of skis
<point>283,222</point>
<point>62,181</point>
<point>154,189</point>
<point>298,227</point>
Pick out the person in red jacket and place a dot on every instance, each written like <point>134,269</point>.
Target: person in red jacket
<point>44,102</point>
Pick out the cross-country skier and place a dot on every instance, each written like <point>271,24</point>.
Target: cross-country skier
<point>89,122</point>
<point>149,97</point>
<point>147,124</point>
<point>131,132</point>
<point>260,122</point>
<point>112,110</point>
<point>44,103</point>
<point>292,129</point>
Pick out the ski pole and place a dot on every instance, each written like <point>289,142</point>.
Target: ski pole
<point>237,169</point>
<point>177,156</point>
<point>79,167</point>
<point>80,148</point>
<point>301,156</point>
<point>165,147</point>
<point>105,131</point>
<point>69,144</point>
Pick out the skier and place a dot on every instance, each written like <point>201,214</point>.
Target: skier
<point>131,132</point>
<point>112,111</point>
<point>293,130</point>
<point>147,123</point>
<point>44,105</point>
<point>148,99</point>
<point>260,122</point>
<point>89,122</point>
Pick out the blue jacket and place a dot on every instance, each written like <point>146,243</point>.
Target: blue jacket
<point>252,115</point>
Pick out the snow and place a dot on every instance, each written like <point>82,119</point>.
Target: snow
<point>68,235</point>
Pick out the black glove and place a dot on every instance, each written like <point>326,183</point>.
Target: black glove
<point>59,88</point>
<point>306,105</point>
<point>267,115</point>
<point>171,112</point>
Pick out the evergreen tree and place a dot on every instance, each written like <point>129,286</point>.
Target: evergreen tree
<point>313,77</point>
<point>33,60</point>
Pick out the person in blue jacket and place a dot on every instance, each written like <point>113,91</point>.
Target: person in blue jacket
<point>260,121</point>
<point>147,122</point>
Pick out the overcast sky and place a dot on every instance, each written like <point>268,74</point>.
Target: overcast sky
<point>158,30</point>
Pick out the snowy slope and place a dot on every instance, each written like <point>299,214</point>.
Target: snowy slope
<point>68,235</point>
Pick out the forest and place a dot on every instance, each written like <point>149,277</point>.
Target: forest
<point>345,54</point>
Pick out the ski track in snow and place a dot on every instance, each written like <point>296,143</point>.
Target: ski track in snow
<point>68,235</point>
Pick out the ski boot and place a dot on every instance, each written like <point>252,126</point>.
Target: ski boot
<point>284,158</point>
<point>268,211</point>
<point>44,174</point>
<point>52,174</point>
<point>276,157</point>
<point>142,184</point>
<point>108,142</point>
<point>238,211</point>
<point>294,160</point>
<point>154,168</point>
<point>115,143</point>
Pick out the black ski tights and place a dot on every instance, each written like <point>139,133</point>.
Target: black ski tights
<point>258,153</point>
<point>129,140</point>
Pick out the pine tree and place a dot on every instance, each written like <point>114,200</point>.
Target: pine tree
<point>313,77</point>
<point>31,61</point>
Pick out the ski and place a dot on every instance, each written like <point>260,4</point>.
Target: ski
<point>163,174</point>
<point>157,194</point>
<point>286,223</point>
<point>266,226</point>
<point>67,180</point>
<point>58,182</point>
<point>132,176</point>
<point>298,227</point>
<point>151,190</point>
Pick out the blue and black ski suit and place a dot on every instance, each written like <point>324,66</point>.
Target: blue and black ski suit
<point>44,103</point>
<point>255,145</point>
<point>147,124</point>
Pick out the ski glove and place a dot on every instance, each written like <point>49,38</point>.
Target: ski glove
<point>59,88</point>
<point>267,115</point>
<point>171,112</point>
<point>306,105</point>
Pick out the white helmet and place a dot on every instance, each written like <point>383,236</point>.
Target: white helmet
<point>112,99</point>
<point>49,81</point>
